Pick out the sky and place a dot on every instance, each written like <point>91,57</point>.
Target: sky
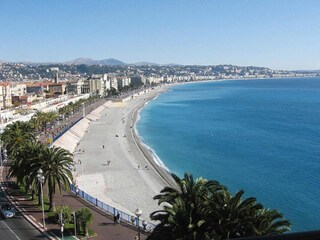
<point>279,34</point>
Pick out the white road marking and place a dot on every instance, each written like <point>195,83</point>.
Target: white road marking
<point>32,217</point>
<point>40,224</point>
<point>11,230</point>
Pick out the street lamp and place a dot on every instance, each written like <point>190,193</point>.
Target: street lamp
<point>1,153</point>
<point>138,213</point>
<point>41,180</point>
<point>77,190</point>
<point>75,223</point>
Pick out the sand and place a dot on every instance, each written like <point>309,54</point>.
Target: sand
<point>115,167</point>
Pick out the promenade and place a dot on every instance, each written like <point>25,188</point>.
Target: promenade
<point>102,225</point>
<point>111,163</point>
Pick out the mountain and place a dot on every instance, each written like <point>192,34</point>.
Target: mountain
<point>89,61</point>
<point>78,61</point>
<point>307,71</point>
<point>143,63</point>
<point>112,62</point>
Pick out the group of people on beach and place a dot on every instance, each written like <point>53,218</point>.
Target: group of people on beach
<point>146,167</point>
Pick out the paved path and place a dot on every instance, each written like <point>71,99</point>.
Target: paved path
<point>21,229</point>
<point>17,228</point>
<point>102,222</point>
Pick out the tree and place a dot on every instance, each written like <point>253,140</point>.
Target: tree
<point>202,209</point>
<point>232,217</point>
<point>43,118</point>
<point>15,135</point>
<point>84,219</point>
<point>55,163</point>
<point>66,213</point>
<point>183,216</point>
<point>25,164</point>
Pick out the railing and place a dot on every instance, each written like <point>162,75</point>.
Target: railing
<point>55,137</point>
<point>110,209</point>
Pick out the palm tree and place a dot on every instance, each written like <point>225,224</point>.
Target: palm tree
<point>183,216</point>
<point>233,217</point>
<point>55,163</point>
<point>43,118</point>
<point>21,163</point>
<point>25,165</point>
<point>270,222</point>
<point>202,209</point>
<point>15,135</point>
<point>84,219</point>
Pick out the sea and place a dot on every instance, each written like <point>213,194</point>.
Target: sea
<point>261,136</point>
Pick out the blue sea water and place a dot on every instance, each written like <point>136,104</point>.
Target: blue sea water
<point>262,136</point>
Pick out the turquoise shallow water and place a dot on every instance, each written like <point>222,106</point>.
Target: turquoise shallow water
<point>262,136</point>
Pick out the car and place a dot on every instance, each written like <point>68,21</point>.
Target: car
<point>7,211</point>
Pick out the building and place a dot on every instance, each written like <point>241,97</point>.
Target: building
<point>72,88</point>
<point>97,84</point>
<point>35,88</point>
<point>5,95</point>
<point>83,86</point>
<point>123,81</point>
<point>18,89</point>
<point>56,88</point>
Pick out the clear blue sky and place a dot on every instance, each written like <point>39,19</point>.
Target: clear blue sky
<point>280,34</point>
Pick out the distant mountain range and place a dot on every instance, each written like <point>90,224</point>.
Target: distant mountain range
<point>90,61</point>
<point>307,71</point>
<point>116,62</point>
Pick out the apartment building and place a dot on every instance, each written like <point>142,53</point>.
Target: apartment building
<point>123,81</point>
<point>5,95</point>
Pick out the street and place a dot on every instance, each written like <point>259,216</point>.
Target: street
<point>17,227</point>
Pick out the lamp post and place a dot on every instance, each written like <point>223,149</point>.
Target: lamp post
<point>75,223</point>
<point>77,190</point>
<point>1,153</point>
<point>41,180</point>
<point>138,213</point>
<point>62,229</point>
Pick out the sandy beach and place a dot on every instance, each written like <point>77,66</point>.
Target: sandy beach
<point>111,163</point>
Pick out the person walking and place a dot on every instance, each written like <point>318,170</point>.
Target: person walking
<point>118,218</point>
<point>114,220</point>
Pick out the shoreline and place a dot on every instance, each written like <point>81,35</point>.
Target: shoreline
<point>120,170</point>
<point>146,150</point>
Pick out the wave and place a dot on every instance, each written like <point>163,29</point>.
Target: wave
<point>153,154</point>
<point>155,157</point>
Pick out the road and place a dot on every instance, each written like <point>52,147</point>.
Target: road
<point>17,228</point>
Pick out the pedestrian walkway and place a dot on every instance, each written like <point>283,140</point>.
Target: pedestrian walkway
<point>103,224</point>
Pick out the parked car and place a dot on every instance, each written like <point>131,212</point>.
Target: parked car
<point>7,211</point>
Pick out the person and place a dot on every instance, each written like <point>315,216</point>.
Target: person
<point>102,146</point>
<point>118,217</point>
<point>138,167</point>
<point>114,219</point>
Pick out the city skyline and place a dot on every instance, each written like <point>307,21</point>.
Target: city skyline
<point>273,34</point>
